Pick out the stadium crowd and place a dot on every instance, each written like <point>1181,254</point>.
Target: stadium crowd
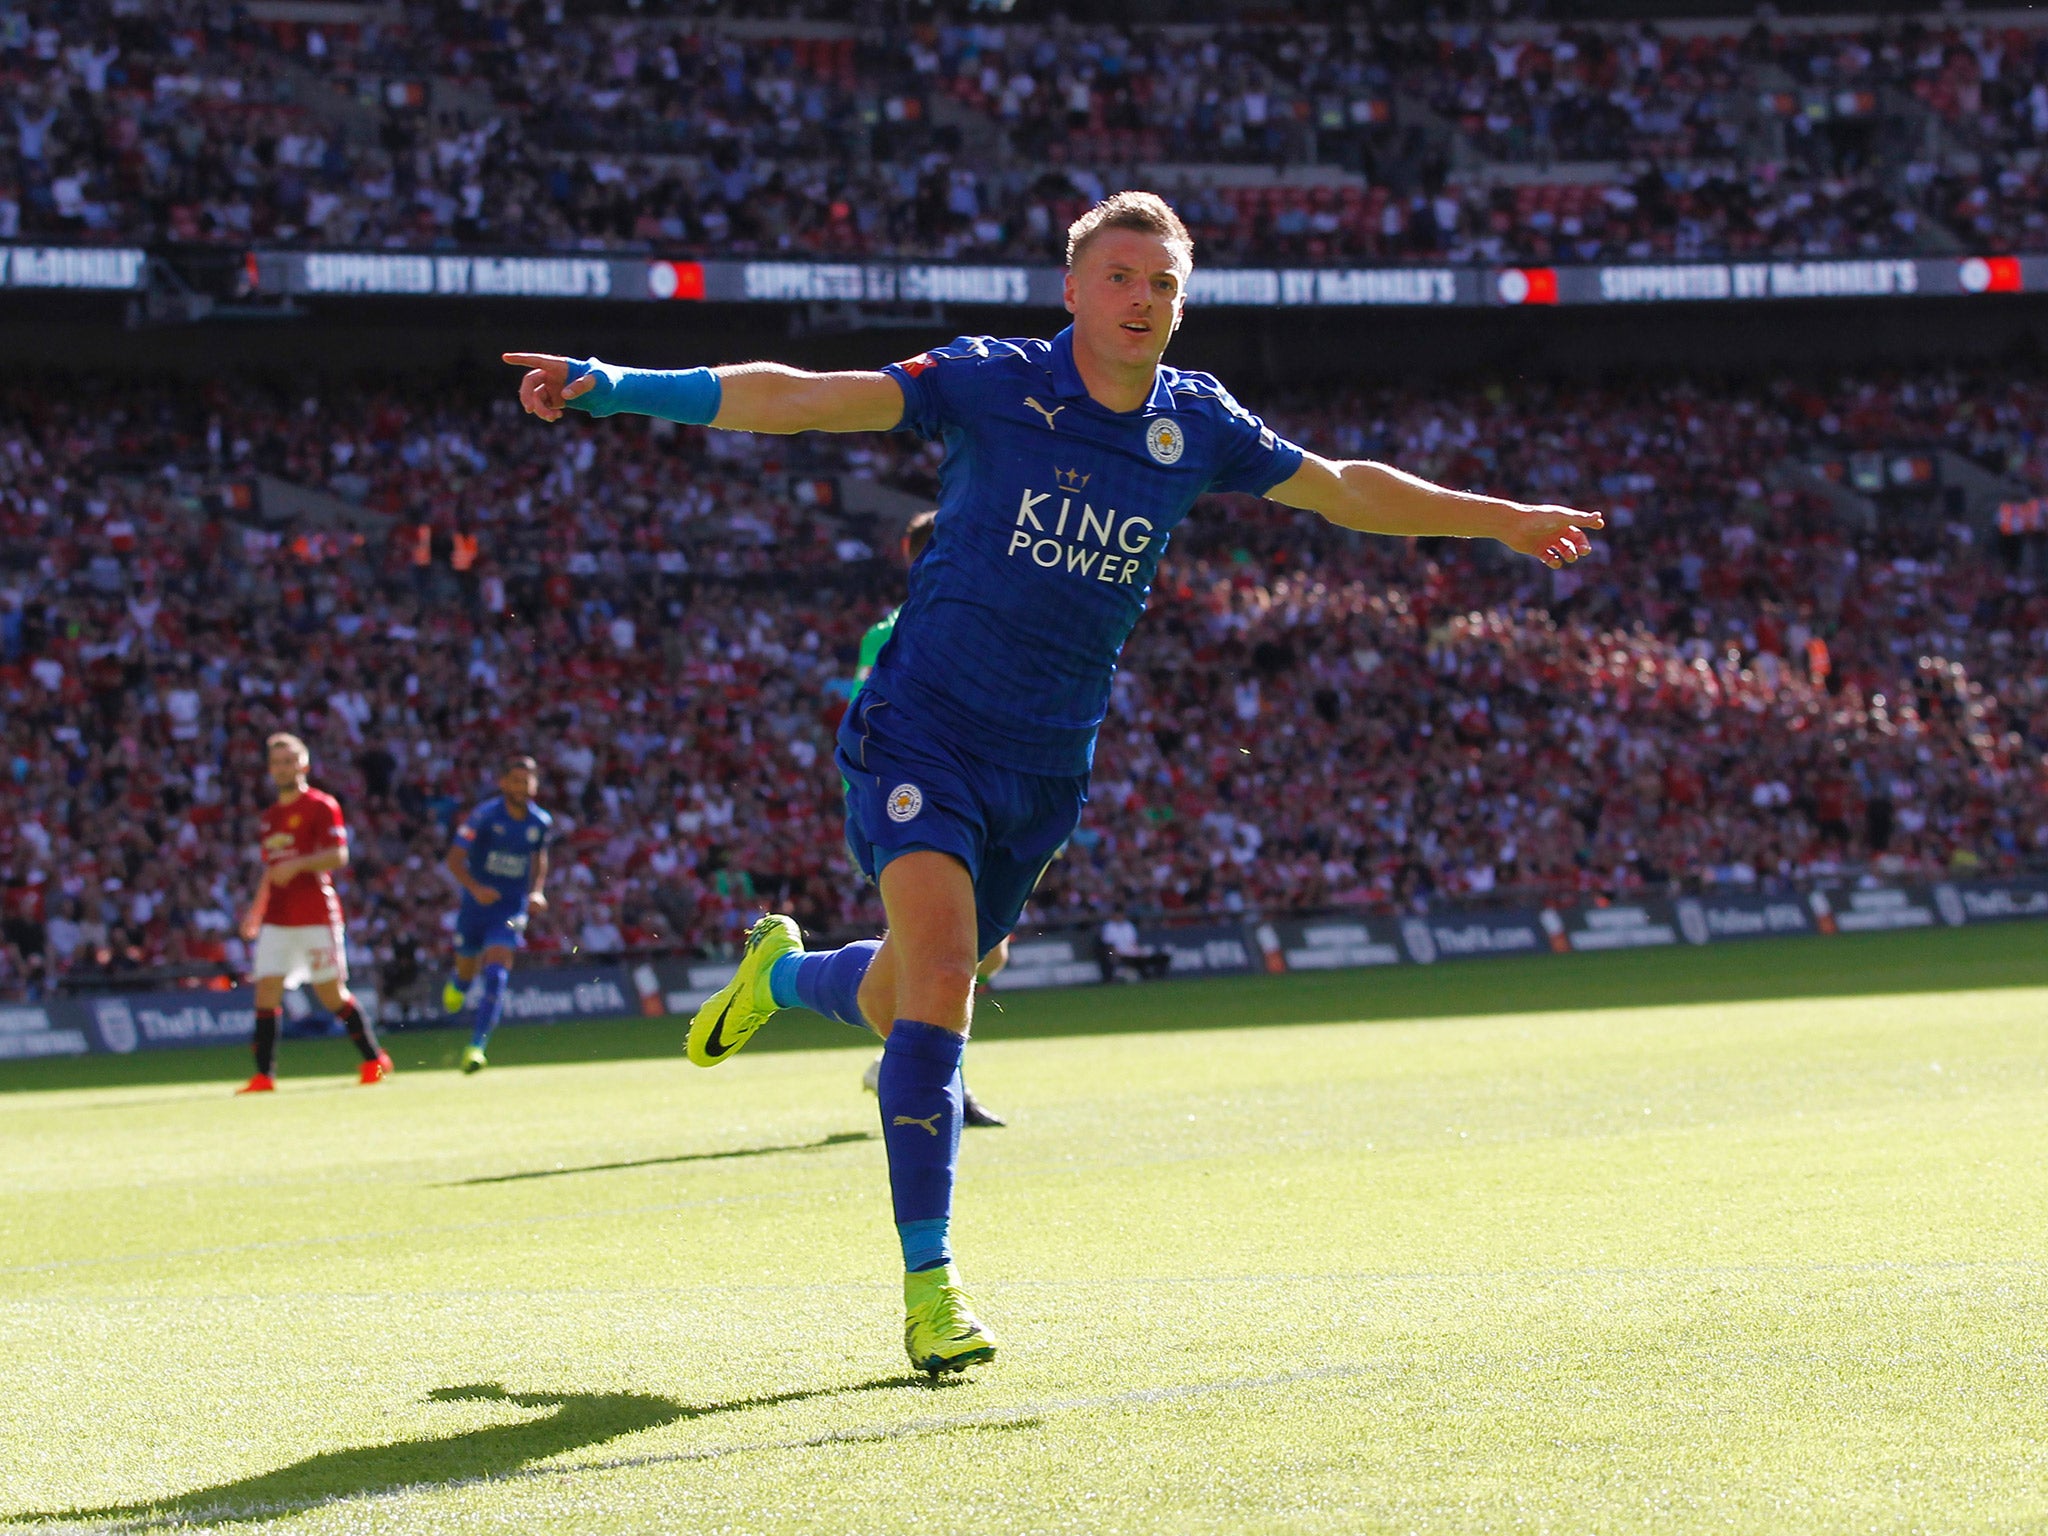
<point>524,126</point>
<point>1738,690</point>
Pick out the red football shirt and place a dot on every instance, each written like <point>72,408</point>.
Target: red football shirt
<point>310,824</point>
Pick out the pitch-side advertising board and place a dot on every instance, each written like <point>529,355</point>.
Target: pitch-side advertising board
<point>126,1022</point>
<point>655,278</point>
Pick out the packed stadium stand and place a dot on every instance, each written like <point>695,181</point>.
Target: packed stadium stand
<point>539,126</point>
<point>1810,640</point>
<point>1767,674</point>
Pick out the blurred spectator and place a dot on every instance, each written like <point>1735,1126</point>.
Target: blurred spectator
<point>1740,689</point>
<point>530,125</point>
<point>1119,950</point>
<point>601,936</point>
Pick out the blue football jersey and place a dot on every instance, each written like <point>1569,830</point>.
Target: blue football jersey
<point>1053,514</point>
<point>501,847</point>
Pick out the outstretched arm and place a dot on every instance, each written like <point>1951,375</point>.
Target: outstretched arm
<point>1377,498</point>
<point>746,397</point>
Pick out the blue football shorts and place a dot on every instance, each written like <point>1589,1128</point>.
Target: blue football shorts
<point>906,791</point>
<point>480,928</point>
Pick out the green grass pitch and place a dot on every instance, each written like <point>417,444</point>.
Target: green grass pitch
<point>1744,1239</point>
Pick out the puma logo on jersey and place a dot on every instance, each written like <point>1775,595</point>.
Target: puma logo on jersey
<point>1048,415</point>
<point>929,1122</point>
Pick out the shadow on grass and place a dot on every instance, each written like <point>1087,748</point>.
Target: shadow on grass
<point>836,1139</point>
<point>579,1420</point>
<point>1757,970</point>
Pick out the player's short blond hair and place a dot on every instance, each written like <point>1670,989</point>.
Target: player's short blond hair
<point>1146,212</point>
<point>287,739</point>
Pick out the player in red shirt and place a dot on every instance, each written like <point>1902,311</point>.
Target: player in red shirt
<point>295,919</point>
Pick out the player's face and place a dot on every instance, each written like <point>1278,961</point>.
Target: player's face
<point>286,767</point>
<point>1125,295</point>
<point>518,785</point>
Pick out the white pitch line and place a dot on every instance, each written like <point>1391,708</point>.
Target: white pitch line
<point>1320,1277</point>
<point>337,1238</point>
<point>1020,1416</point>
<point>1547,1272</point>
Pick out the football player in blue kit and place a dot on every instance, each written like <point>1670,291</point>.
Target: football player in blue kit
<point>500,859</point>
<point>1068,464</point>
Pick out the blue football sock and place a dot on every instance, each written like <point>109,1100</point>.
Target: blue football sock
<point>827,981</point>
<point>488,993</point>
<point>926,1244</point>
<point>782,980</point>
<point>920,1092</point>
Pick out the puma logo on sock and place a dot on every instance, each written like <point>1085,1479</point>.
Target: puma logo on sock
<point>929,1122</point>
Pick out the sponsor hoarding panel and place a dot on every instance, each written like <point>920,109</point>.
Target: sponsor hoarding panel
<point>1741,281</point>
<point>1991,901</point>
<point>120,1023</point>
<point>1327,944</point>
<point>481,277</point>
<point>1204,949</point>
<point>539,276</point>
<point>1878,910</point>
<point>1052,960</point>
<point>682,985</point>
<point>578,992</point>
<point>1473,935</point>
<point>127,1022</point>
<point>1711,919</point>
<point>1626,925</point>
<point>81,268</point>
<point>28,1031</point>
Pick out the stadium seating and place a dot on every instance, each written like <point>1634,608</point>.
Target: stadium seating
<point>1742,689</point>
<point>531,127</point>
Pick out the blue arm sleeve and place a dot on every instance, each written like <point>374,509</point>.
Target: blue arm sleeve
<point>691,396</point>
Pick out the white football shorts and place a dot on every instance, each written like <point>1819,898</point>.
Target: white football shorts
<point>316,953</point>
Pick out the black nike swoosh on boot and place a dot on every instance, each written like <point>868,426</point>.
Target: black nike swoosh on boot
<point>714,1043</point>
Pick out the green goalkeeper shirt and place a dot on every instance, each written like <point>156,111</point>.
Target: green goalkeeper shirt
<point>870,648</point>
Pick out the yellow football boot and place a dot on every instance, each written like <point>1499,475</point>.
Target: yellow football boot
<point>730,1015</point>
<point>940,1331</point>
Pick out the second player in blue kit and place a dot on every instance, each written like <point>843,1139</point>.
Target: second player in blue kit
<point>500,859</point>
<point>1068,465</point>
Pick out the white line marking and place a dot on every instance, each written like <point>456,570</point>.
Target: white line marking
<point>724,1287</point>
<point>400,1235</point>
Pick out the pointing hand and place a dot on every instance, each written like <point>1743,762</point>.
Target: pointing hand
<point>546,389</point>
<point>1552,534</point>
